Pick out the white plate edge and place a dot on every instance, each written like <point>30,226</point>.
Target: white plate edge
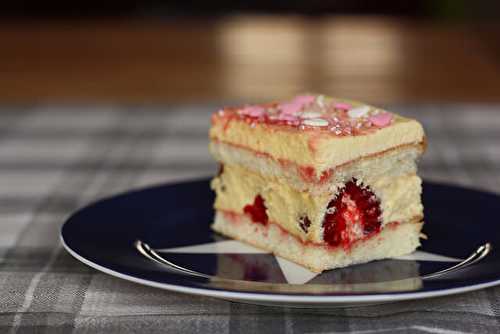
<point>262,297</point>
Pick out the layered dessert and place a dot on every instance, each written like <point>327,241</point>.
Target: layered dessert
<point>321,181</point>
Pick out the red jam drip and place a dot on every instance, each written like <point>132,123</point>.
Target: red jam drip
<point>353,215</point>
<point>325,175</point>
<point>257,211</point>
<point>307,173</point>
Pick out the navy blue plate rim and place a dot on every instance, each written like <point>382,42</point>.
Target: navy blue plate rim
<point>156,277</point>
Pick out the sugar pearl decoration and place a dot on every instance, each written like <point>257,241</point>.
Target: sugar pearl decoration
<point>320,100</point>
<point>307,112</point>
<point>358,112</point>
<point>310,114</point>
<point>290,108</point>
<point>382,119</point>
<point>315,122</point>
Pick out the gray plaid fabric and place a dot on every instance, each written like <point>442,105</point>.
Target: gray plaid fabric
<point>54,160</point>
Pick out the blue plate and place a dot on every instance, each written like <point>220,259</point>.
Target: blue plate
<point>160,237</point>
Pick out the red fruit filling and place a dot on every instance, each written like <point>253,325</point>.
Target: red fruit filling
<point>257,211</point>
<point>353,215</point>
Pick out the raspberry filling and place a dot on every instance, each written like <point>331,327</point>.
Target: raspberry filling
<point>353,215</point>
<point>257,211</point>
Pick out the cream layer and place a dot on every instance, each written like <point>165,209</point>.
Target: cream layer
<point>392,163</point>
<point>319,149</point>
<point>237,187</point>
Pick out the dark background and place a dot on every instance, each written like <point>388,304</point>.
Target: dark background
<point>452,9</point>
<point>198,51</point>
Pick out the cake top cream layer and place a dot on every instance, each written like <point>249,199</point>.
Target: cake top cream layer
<point>314,130</point>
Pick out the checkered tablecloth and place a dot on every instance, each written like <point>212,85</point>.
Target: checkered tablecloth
<point>55,159</point>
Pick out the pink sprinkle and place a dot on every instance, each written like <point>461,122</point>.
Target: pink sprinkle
<point>290,108</point>
<point>253,111</point>
<point>342,106</point>
<point>381,120</point>
<point>304,99</point>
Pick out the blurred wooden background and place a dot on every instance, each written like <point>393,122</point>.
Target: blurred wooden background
<point>377,59</point>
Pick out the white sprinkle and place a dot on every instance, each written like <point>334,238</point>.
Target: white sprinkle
<point>320,100</point>
<point>358,112</point>
<point>315,122</point>
<point>310,114</point>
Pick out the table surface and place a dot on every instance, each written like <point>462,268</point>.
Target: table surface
<point>55,159</point>
<point>377,59</point>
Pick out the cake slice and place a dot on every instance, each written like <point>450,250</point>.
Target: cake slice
<point>321,181</point>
